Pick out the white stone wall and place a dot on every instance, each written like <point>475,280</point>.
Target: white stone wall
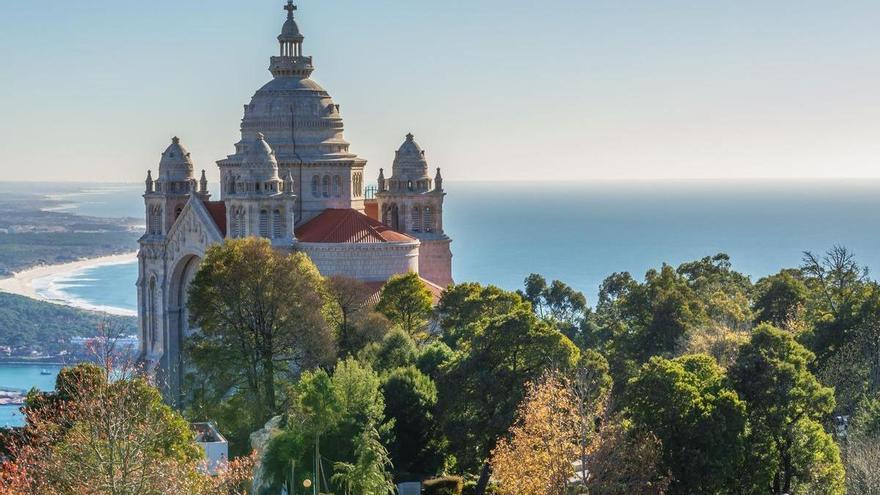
<point>369,262</point>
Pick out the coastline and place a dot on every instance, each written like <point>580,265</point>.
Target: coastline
<point>23,283</point>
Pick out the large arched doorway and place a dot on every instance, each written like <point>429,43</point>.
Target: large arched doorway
<point>178,325</point>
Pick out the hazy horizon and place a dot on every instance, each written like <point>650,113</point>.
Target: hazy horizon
<point>500,91</point>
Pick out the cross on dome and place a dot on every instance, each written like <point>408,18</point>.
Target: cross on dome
<point>290,8</point>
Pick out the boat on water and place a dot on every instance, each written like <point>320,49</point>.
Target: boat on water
<point>44,371</point>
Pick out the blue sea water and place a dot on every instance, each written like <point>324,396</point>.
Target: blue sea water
<point>23,377</point>
<point>582,232</point>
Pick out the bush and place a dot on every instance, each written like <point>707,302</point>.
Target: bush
<point>448,485</point>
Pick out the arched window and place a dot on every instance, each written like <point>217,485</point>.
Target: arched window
<point>429,219</point>
<point>277,225</point>
<point>264,223</point>
<point>316,185</point>
<point>178,211</point>
<point>239,226</point>
<point>416,219</point>
<point>152,310</point>
<point>155,220</point>
<point>337,186</point>
<point>326,186</point>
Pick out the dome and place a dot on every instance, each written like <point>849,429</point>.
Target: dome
<point>290,31</point>
<point>410,163</point>
<point>176,164</point>
<point>260,163</point>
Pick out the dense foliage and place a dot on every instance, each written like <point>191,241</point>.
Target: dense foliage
<point>690,380</point>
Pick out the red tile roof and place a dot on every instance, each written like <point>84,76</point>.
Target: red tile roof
<point>347,225</point>
<point>217,210</point>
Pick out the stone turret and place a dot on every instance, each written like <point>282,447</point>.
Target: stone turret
<point>412,203</point>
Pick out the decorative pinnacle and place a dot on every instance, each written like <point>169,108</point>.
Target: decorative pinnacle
<point>410,137</point>
<point>290,8</point>
<point>175,140</point>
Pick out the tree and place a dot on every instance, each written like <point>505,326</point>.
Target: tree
<point>786,406</point>
<point>259,313</point>
<point>723,291</point>
<point>115,438</point>
<point>462,306</point>
<point>410,400</point>
<point>590,386</point>
<point>396,350</point>
<point>718,341</point>
<point>328,414</point>
<point>624,460</point>
<point>863,466</point>
<point>369,473</point>
<point>698,418</point>
<point>779,298</point>
<point>350,301</point>
<point>537,456</point>
<point>407,302</point>
<point>484,384</point>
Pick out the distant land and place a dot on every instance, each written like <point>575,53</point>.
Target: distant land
<point>33,232</point>
<point>36,231</point>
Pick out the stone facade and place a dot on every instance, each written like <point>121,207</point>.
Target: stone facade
<point>292,179</point>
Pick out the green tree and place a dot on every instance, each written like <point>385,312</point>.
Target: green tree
<point>700,421</point>
<point>484,384</point>
<point>259,314</point>
<point>407,302</point>
<point>369,473</point>
<point>779,298</point>
<point>560,304</point>
<point>463,305</point>
<point>723,291</point>
<point>410,400</point>
<point>786,406</point>
<point>350,304</point>
<point>328,414</point>
<point>396,350</point>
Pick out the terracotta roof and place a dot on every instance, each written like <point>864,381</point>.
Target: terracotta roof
<point>217,209</point>
<point>347,225</point>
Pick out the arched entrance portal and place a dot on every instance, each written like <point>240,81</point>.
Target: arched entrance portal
<point>178,325</point>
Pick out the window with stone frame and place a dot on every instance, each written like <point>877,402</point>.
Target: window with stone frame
<point>264,223</point>
<point>326,186</point>
<point>337,186</point>
<point>277,225</point>
<point>316,186</point>
<point>416,219</point>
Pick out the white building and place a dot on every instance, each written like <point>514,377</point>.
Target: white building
<point>293,180</point>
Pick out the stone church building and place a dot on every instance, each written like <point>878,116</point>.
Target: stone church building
<point>293,180</point>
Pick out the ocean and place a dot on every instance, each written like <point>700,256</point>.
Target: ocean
<point>575,232</point>
<point>582,232</point>
<point>24,377</point>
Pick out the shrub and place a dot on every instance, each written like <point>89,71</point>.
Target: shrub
<point>447,485</point>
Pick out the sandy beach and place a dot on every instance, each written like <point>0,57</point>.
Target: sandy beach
<point>23,283</point>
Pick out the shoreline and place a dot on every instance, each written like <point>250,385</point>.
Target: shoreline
<point>23,283</point>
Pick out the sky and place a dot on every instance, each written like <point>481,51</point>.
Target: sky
<point>494,90</point>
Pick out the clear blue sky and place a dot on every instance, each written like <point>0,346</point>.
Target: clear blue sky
<point>524,90</point>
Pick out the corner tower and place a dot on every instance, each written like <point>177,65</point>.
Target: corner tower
<point>411,202</point>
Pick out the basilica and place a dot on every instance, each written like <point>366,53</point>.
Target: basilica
<point>294,181</point>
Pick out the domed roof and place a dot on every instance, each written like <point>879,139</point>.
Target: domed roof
<point>290,31</point>
<point>259,162</point>
<point>176,164</point>
<point>410,163</point>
